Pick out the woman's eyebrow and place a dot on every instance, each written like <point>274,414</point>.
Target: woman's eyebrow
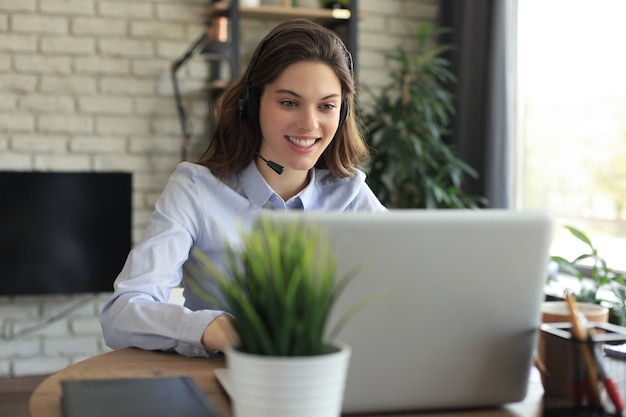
<point>293,93</point>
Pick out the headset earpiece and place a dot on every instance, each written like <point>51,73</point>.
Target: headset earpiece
<point>343,112</point>
<point>249,107</point>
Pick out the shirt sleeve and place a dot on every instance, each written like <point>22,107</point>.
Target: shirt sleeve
<point>138,314</point>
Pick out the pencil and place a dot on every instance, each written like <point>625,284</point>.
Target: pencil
<point>582,335</point>
<point>609,384</point>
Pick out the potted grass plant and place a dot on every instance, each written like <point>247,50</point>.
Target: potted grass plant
<point>280,285</point>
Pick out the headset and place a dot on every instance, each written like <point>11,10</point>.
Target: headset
<point>249,106</point>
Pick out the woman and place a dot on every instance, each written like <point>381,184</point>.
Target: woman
<point>285,139</point>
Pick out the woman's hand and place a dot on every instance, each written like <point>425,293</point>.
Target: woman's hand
<point>219,335</point>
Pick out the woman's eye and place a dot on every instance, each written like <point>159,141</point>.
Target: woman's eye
<point>328,106</point>
<point>289,103</point>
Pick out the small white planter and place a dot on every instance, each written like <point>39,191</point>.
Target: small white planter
<point>271,386</point>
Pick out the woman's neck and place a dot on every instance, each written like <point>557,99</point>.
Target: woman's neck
<point>287,184</point>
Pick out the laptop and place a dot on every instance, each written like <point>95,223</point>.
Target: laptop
<point>456,304</point>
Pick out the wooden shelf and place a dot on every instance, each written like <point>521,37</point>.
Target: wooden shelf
<point>280,13</point>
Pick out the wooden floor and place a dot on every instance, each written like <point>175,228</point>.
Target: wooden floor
<point>14,394</point>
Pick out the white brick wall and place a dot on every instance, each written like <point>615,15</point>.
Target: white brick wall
<point>85,86</point>
<point>42,334</point>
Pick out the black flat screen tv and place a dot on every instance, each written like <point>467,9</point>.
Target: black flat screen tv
<point>63,232</point>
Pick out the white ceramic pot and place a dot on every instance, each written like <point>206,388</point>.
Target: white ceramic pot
<point>270,386</point>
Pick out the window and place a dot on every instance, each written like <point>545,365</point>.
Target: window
<point>571,120</point>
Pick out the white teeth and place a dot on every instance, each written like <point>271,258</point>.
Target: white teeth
<point>303,143</point>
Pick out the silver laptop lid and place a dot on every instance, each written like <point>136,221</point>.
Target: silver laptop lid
<point>456,321</point>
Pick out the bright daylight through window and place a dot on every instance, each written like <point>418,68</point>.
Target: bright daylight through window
<point>572,120</point>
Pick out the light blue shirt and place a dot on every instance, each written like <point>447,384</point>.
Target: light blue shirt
<point>198,209</point>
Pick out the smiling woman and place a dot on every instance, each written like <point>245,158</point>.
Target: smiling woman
<point>572,119</point>
<point>292,105</point>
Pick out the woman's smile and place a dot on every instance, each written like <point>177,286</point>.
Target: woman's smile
<point>302,142</point>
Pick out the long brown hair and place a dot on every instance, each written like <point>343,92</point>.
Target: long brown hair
<point>288,43</point>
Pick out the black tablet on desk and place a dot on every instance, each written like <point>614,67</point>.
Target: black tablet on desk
<point>135,397</point>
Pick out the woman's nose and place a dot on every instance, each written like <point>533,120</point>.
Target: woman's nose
<point>308,120</point>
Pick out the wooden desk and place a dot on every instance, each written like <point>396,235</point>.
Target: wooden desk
<point>45,400</point>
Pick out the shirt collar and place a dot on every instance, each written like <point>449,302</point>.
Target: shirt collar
<point>254,186</point>
<point>259,192</point>
<point>308,193</point>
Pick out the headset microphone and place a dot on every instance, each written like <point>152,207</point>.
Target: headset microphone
<point>277,168</point>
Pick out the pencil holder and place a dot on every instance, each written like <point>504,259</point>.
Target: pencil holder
<point>569,388</point>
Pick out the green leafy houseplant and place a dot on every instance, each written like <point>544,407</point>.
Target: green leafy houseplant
<point>599,283</point>
<point>280,285</point>
<point>412,165</point>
